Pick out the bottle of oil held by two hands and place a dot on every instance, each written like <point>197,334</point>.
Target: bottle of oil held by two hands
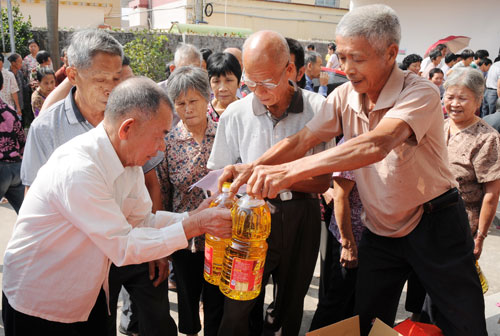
<point>245,255</point>
<point>215,246</point>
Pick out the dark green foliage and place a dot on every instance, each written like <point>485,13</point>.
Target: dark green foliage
<point>22,30</point>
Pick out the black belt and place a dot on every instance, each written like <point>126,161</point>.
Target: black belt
<point>445,200</point>
<point>295,195</point>
<point>490,88</point>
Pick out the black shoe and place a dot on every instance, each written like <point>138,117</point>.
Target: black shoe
<point>126,332</point>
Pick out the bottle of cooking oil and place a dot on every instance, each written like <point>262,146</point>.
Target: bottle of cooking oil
<point>215,246</point>
<point>245,256</point>
<point>482,278</point>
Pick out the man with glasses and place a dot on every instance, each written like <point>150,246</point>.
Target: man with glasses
<point>275,109</point>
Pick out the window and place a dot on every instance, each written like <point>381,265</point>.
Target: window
<point>328,3</point>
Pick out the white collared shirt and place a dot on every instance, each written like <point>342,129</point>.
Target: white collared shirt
<point>83,211</point>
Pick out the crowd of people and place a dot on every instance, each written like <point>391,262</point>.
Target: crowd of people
<point>400,163</point>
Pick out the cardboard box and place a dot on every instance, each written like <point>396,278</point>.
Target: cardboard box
<point>350,327</point>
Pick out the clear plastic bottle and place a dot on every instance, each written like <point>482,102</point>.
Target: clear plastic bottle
<point>245,256</point>
<point>215,246</point>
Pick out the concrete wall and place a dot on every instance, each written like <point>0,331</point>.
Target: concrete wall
<point>426,21</point>
<point>216,43</point>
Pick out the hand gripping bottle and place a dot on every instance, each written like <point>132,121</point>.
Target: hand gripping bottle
<point>243,265</point>
<point>214,246</point>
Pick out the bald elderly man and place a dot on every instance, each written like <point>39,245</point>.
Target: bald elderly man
<point>275,109</point>
<point>87,208</point>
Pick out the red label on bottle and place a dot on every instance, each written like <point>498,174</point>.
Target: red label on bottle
<point>245,274</point>
<point>209,254</point>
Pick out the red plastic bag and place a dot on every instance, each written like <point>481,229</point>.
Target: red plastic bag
<point>410,328</point>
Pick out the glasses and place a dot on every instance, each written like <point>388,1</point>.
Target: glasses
<point>267,83</point>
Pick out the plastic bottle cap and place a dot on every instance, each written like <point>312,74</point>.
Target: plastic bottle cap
<point>226,186</point>
<point>250,202</point>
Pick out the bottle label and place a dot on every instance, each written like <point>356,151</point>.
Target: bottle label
<point>246,274</point>
<point>209,254</point>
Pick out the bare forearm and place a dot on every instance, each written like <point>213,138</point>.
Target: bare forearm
<point>318,184</point>
<point>343,218</point>
<point>488,211</point>
<point>355,153</point>
<point>16,102</point>
<point>289,149</point>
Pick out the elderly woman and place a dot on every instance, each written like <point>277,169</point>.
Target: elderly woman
<point>224,73</point>
<point>188,148</point>
<point>473,148</point>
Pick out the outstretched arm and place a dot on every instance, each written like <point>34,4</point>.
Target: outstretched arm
<point>266,181</point>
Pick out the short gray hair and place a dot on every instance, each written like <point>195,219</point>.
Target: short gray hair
<point>311,57</point>
<point>186,78</point>
<point>379,24</point>
<point>469,77</point>
<point>187,54</point>
<point>85,44</point>
<point>137,97</point>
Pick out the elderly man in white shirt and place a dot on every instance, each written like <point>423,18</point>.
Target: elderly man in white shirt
<point>89,207</point>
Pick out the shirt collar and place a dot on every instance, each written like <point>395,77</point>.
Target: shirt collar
<point>388,95</point>
<point>72,111</point>
<point>296,104</point>
<point>107,154</point>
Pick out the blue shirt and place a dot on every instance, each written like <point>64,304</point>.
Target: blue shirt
<point>310,87</point>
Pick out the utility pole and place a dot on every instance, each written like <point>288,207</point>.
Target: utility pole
<point>52,11</point>
<point>11,27</point>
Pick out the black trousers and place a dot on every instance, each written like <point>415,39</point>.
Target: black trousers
<point>336,289</point>
<point>191,287</point>
<point>291,257</point>
<point>18,324</point>
<point>152,304</point>
<point>440,252</point>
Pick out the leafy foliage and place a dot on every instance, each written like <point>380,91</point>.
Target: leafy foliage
<point>148,54</point>
<point>22,30</point>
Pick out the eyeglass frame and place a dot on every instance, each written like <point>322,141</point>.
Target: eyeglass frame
<point>266,82</point>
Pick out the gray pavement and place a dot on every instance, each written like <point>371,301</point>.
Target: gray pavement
<point>489,263</point>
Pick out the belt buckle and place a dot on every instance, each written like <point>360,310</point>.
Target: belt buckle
<point>286,195</point>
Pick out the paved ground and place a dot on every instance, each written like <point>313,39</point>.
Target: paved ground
<point>489,263</point>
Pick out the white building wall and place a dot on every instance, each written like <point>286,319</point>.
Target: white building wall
<point>70,16</point>
<point>164,15</point>
<point>424,22</point>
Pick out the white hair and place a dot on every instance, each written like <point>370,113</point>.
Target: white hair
<point>187,54</point>
<point>85,44</point>
<point>379,24</point>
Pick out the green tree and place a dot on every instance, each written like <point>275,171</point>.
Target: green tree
<point>22,30</point>
<point>148,54</point>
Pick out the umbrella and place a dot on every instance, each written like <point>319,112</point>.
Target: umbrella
<point>454,43</point>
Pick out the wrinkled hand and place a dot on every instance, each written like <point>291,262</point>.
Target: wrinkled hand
<point>323,78</point>
<point>163,271</point>
<point>239,174</point>
<point>216,221</point>
<point>349,255</point>
<point>267,181</point>
<point>478,247</point>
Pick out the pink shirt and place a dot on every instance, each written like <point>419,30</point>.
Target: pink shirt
<point>394,189</point>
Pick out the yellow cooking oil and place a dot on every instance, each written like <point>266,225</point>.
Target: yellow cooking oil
<point>242,270</point>
<point>215,246</point>
<point>482,278</point>
<point>245,256</point>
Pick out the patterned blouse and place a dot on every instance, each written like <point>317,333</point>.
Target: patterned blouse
<point>12,137</point>
<point>212,113</point>
<point>37,99</point>
<point>356,210</point>
<point>185,163</point>
<point>474,159</point>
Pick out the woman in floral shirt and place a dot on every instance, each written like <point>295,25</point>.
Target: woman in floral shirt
<point>188,148</point>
